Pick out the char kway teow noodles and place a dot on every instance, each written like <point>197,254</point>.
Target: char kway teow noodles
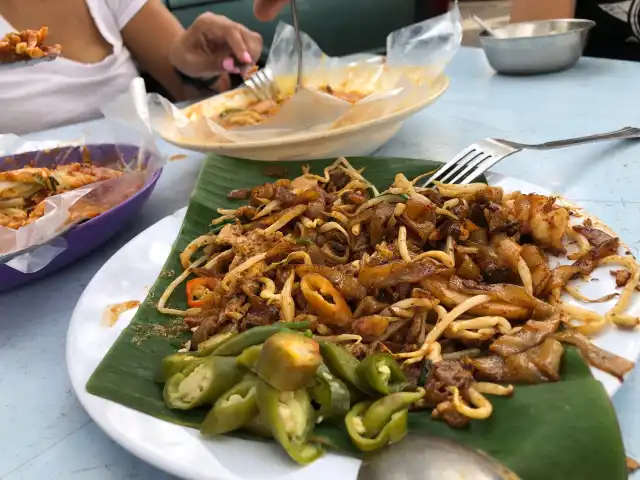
<point>324,300</point>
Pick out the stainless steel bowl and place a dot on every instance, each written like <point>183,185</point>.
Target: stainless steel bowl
<point>536,47</point>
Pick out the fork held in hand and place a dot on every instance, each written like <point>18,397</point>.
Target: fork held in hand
<point>262,83</point>
<point>476,159</point>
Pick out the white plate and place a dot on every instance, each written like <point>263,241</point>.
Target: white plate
<point>128,275</point>
<point>351,141</point>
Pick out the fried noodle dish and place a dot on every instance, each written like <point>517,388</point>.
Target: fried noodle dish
<point>260,110</point>
<point>23,192</point>
<point>453,282</point>
<point>26,45</point>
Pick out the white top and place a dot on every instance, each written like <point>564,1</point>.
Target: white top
<point>65,91</point>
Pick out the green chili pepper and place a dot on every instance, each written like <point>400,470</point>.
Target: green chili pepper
<point>258,427</point>
<point>289,361</point>
<point>290,418</point>
<point>174,363</point>
<point>202,383</point>
<point>380,412</point>
<point>233,410</point>
<point>342,364</point>
<point>393,431</point>
<point>331,394</point>
<point>236,345</point>
<point>210,345</point>
<point>249,357</point>
<point>380,372</point>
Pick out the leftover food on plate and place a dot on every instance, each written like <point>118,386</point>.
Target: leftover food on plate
<point>324,300</point>
<point>23,191</point>
<point>27,45</point>
<point>256,111</point>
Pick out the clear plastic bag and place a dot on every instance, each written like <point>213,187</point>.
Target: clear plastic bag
<point>126,144</point>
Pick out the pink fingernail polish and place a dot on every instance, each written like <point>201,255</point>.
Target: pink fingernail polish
<point>246,58</point>
<point>229,65</point>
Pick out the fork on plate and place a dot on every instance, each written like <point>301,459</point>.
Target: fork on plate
<point>262,83</point>
<point>477,158</point>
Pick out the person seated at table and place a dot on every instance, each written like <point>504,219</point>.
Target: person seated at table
<point>617,31</point>
<point>103,43</point>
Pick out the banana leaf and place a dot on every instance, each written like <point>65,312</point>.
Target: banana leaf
<point>564,430</point>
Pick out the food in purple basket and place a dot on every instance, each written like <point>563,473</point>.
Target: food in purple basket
<point>23,191</point>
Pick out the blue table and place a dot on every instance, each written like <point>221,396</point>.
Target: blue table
<point>45,433</point>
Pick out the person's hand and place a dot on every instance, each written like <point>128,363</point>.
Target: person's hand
<point>266,10</point>
<point>215,44</point>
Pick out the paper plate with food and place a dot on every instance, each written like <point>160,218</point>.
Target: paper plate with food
<point>347,106</point>
<point>310,321</point>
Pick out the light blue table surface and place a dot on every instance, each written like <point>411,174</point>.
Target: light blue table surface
<point>45,433</point>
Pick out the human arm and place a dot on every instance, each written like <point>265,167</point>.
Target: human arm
<point>267,10</point>
<point>160,44</point>
<point>529,10</point>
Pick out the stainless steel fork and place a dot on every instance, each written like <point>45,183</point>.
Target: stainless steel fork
<point>476,159</point>
<point>262,83</point>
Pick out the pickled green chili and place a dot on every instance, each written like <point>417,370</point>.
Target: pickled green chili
<point>289,361</point>
<point>258,427</point>
<point>380,412</point>
<point>202,383</point>
<point>393,431</point>
<point>331,394</point>
<point>249,357</point>
<point>233,410</point>
<point>372,425</point>
<point>255,336</point>
<point>174,363</point>
<point>342,364</point>
<point>381,373</point>
<point>290,418</point>
<point>211,344</point>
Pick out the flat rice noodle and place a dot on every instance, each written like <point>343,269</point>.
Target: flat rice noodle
<point>467,269</point>
<point>523,370</point>
<point>420,217</point>
<point>439,288</point>
<point>453,228</point>
<point>489,194</point>
<point>535,259</point>
<point>597,357</point>
<point>547,357</point>
<point>603,243</point>
<point>494,269</point>
<point>369,306</point>
<point>370,327</point>
<point>560,276</point>
<point>508,251</point>
<point>394,273</point>
<point>512,294</point>
<point>381,214</point>
<point>530,335</point>
<point>347,284</point>
<point>492,368</point>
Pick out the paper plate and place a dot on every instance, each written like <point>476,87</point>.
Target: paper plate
<point>353,140</point>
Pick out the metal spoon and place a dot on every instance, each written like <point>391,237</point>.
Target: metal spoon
<point>296,26</point>
<point>26,63</point>
<point>486,27</point>
<point>419,457</point>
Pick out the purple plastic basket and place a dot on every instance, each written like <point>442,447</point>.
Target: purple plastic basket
<point>93,233</point>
